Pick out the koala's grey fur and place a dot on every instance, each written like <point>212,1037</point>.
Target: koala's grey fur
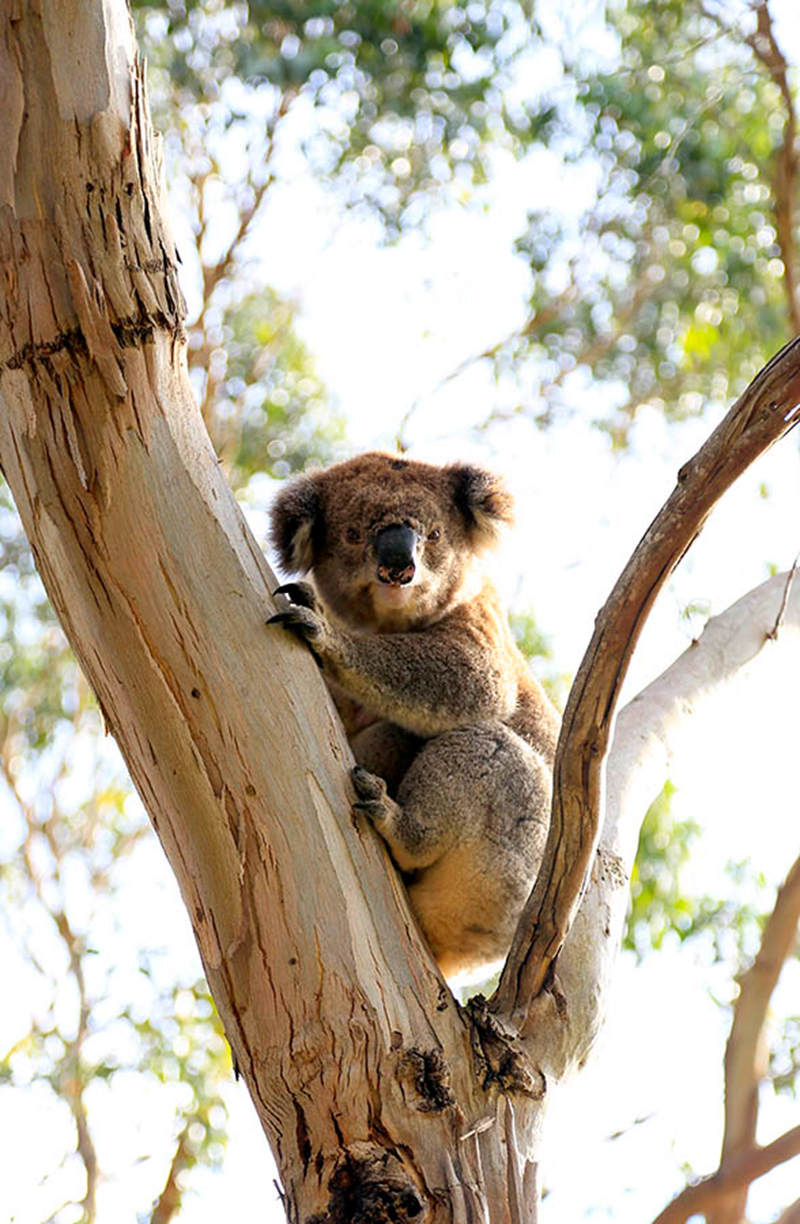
<point>454,737</point>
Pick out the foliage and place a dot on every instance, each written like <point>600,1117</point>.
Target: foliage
<point>662,906</point>
<point>658,904</point>
<point>394,99</point>
<point>396,104</point>
<point>784,1057</point>
<point>676,282</point>
<point>98,1006</point>
<point>270,408</point>
<point>536,647</point>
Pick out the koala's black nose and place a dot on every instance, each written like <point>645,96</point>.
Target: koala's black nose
<point>395,547</point>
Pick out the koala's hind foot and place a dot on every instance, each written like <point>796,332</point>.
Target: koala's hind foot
<point>386,816</point>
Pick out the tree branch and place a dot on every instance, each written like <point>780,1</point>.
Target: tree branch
<point>648,733</point>
<point>746,1168</point>
<point>169,1200</point>
<point>765,411</point>
<point>765,47</point>
<point>746,1053</point>
<point>779,619</point>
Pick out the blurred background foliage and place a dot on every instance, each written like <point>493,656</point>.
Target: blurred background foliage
<point>670,286</point>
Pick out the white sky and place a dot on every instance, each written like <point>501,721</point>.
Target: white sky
<point>386,326</point>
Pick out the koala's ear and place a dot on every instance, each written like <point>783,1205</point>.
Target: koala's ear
<point>484,501</point>
<point>296,513</point>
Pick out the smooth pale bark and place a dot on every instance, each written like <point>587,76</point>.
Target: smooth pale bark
<point>382,1099</point>
<point>648,735</point>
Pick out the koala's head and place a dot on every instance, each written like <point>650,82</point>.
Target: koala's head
<point>391,543</point>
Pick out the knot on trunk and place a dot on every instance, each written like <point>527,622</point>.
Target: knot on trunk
<point>424,1076</point>
<point>500,1057</point>
<point>371,1186</point>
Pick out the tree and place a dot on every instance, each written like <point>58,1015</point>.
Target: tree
<point>102,447</point>
<point>264,406</point>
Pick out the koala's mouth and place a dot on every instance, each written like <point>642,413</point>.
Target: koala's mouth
<point>393,594</point>
<point>393,599</point>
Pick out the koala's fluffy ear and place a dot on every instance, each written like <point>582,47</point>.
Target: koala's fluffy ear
<point>484,501</point>
<point>296,514</point>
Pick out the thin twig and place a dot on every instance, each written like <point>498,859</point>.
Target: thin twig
<point>169,1200</point>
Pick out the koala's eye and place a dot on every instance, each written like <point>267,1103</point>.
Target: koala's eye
<point>353,535</point>
<point>434,533</point>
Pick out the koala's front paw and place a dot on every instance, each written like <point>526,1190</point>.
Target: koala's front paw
<point>307,624</point>
<point>372,798</point>
<point>304,618</point>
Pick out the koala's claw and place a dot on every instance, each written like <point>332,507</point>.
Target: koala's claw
<point>300,593</point>
<point>300,620</point>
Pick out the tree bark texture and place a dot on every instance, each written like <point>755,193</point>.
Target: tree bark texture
<point>381,1097</point>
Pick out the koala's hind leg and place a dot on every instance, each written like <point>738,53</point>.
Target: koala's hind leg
<point>470,822</point>
<point>385,749</point>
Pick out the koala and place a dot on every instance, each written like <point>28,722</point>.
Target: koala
<point>453,736</point>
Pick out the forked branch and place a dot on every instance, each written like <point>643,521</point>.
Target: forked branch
<point>766,410</point>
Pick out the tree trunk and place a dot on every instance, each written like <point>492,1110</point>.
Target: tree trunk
<point>381,1097</point>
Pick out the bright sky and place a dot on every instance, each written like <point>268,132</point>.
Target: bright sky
<point>387,325</point>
